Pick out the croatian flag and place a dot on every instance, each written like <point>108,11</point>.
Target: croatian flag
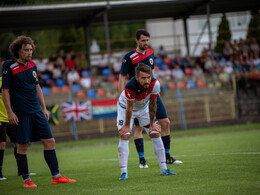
<point>104,108</point>
<point>77,111</point>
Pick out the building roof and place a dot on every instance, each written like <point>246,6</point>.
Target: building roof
<point>51,16</point>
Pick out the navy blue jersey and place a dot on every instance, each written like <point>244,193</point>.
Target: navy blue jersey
<point>131,60</point>
<point>21,80</point>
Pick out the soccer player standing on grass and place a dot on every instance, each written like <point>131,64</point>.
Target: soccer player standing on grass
<point>5,128</point>
<point>26,109</point>
<point>138,100</point>
<point>142,54</point>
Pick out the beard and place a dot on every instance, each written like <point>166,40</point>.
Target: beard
<point>143,47</point>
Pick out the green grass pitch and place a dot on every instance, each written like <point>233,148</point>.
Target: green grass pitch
<point>222,160</point>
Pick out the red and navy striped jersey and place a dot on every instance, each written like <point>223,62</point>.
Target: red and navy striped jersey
<point>141,96</point>
<point>131,60</point>
<point>21,80</point>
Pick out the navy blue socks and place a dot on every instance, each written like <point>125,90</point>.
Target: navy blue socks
<point>166,142</point>
<point>139,144</point>
<point>22,165</point>
<point>51,160</point>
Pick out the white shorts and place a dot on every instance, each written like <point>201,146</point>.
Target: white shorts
<point>142,116</point>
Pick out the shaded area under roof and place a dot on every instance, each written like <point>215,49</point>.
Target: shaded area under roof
<point>80,14</point>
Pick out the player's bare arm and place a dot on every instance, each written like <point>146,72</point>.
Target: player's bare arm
<point>152,112</point>
<point>129,110</point>
<point>42,102</point>
<point>121,83</point>
<point>11,115</point>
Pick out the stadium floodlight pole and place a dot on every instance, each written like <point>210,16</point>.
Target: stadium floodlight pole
<point>107,36</point>
<point>210,44</point>
<point>186,35</point>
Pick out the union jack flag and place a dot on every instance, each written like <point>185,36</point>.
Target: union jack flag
<point>77,111</point>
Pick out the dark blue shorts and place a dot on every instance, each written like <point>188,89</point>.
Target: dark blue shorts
<point>7,129</point>
<point>32,127</point>
<point>160,113</point>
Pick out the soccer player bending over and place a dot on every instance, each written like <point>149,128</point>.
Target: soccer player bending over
<point>26,109</point>
<point>138,100</point>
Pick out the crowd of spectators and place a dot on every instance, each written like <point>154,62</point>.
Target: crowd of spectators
<point>239,59</point>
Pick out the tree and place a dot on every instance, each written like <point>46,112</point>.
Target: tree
<point>253,30</point>
<point>224,34</point>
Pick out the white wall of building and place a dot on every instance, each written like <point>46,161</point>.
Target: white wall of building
<point>170,33</point>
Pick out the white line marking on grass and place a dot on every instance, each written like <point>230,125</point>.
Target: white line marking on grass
<point>220,154</point>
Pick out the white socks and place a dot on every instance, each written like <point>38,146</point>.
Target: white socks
<point>159,151</point>
<point>123,153</point>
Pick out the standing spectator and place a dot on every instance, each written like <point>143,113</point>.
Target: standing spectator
<point>27,110</point>
<point>138,100</point>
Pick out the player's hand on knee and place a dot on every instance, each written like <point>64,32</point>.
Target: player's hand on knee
<point>125,130</point>
<point>154,127</point>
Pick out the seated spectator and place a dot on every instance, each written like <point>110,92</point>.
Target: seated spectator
<point>60,62</point>
<point>177,73</point>
<point>223,77</point>
<point>209,65</point>
<point>166,73</point>
<point>116,67</point>
<point>222,61</point>
<point>57,72</point>
<point>42,65</point>
<point>227,50</point>
<point>187,63</point>
<point>242,47</point>
<point>53,58</point>
<point>81,62</point>
<point>197,73</point>
<point>102,64</point>
<point>235,47</point>
<point>256,60</point>
<point>62,55</point>
<point>73,77</point>
<point>85,81</point>
<point>254,46</point>
<point>69,62</point>
<point>237,67</point>
<point>229,68</point>
<point>245,64</point>
<point>162,52</point>
<point>177,61</point>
